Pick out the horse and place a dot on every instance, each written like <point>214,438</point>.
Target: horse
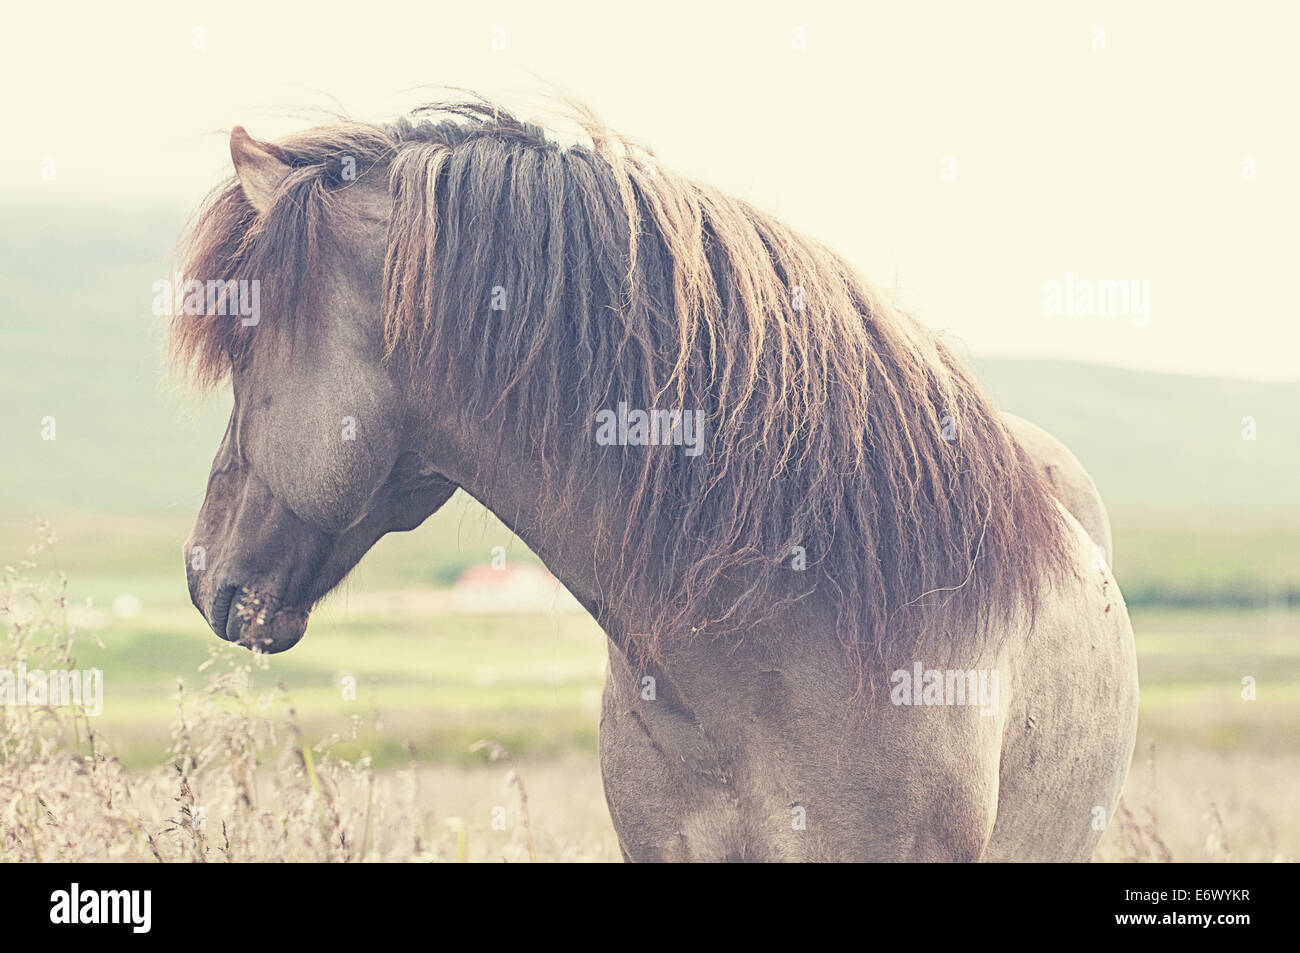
<point>852,612</point>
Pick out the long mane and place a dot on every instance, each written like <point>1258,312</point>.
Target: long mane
<point>543,284</point>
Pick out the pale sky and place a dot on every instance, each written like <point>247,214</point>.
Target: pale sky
<point>969,153</point>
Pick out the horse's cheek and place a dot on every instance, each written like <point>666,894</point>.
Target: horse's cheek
<point>325,471</point>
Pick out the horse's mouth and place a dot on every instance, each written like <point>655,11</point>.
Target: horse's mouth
<point>257,621</point>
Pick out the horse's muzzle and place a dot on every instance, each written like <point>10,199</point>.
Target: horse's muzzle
<point>258,621</point>
<point>249,615</point>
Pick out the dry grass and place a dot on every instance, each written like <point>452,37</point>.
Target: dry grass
<point>241,784</point>
<point>1195,804</point>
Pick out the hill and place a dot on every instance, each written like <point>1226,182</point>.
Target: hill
<point>82,345</point>
<point>1163,441</point>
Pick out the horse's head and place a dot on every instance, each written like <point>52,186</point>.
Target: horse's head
<point>318,461</point>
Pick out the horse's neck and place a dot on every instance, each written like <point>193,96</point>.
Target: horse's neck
<point>506,481</point>
<point>583,553</point>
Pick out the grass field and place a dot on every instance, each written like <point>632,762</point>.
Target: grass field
<point>1213,777</point>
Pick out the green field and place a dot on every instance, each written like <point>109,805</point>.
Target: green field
<point>441,679</point>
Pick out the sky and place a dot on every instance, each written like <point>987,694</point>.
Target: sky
<point>990,165</point>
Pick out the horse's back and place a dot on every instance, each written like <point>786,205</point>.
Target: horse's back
<point>1070,482</point>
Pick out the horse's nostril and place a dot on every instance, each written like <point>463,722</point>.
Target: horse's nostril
<point>220,614</point>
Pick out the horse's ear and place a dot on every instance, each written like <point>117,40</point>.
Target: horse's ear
<point>260,166</point>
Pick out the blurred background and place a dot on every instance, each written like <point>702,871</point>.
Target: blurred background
<point>964,159</point>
